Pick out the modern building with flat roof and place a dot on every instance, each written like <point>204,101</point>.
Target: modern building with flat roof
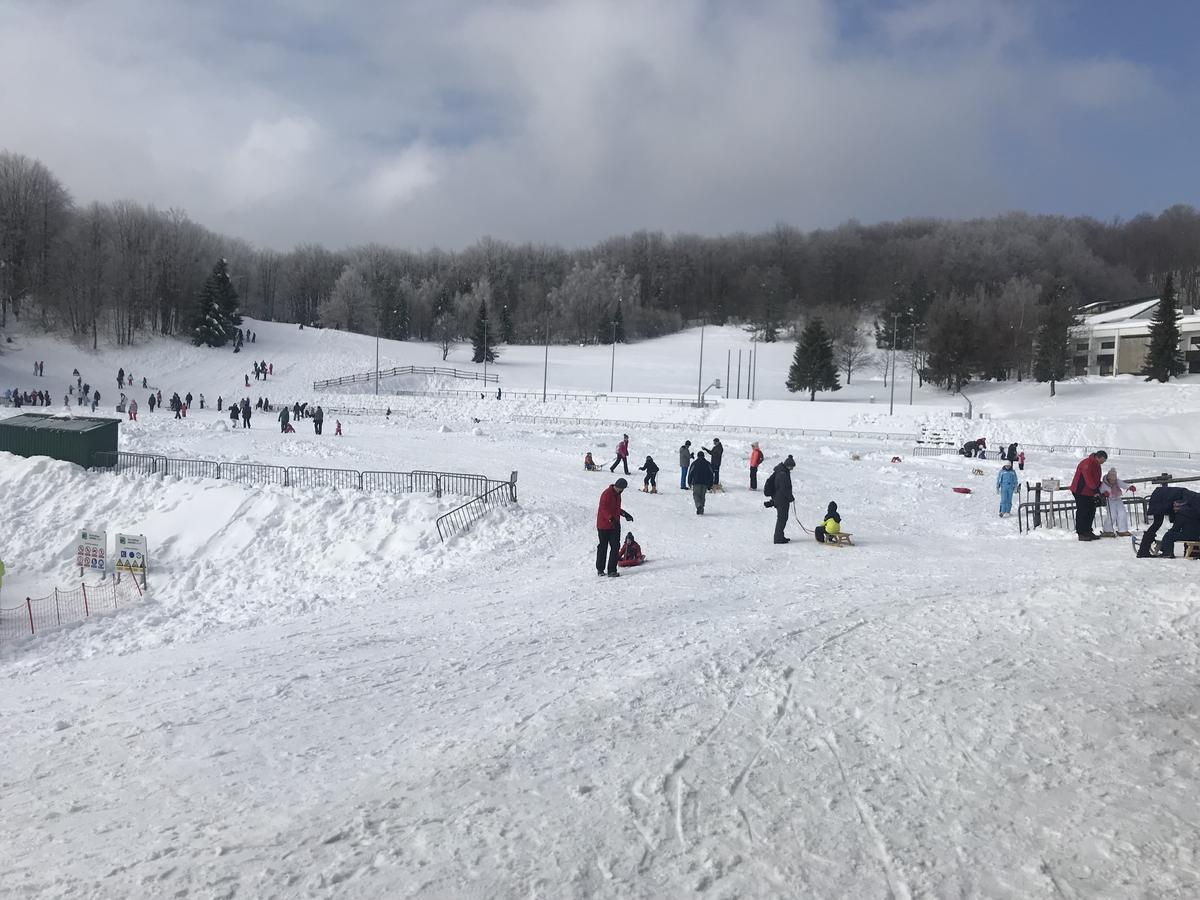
<point>1112,339</point>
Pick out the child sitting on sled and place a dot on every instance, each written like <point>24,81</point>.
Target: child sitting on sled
<point>832,523</point>
<point>589,463</point>
<point>631,553</point>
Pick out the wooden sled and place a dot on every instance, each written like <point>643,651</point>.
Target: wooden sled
<point>1191,549</point>
<point>841,539</point>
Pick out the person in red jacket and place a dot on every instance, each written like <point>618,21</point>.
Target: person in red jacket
<point>756,460</point>
<point>622,455</point>
<point>1085,487</point>
<point>608,527</point>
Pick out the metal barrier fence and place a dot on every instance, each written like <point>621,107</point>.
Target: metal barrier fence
<point>360,377</point>
<point>437,483</point>
<point>1061,513</point>
<point>37,614</point>
<point>718,429</point>
<point>552,395</point>
<point>463,517</point>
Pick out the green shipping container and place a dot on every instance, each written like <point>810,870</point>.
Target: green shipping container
<point>76,439</point>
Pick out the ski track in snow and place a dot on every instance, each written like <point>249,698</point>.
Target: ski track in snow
<point>318,699</point>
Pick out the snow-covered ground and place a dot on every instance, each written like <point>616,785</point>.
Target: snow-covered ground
<point>320,699</point>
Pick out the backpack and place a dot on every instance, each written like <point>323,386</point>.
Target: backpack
<point>769,486</point>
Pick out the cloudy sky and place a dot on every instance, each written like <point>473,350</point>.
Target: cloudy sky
<point>434,122</point>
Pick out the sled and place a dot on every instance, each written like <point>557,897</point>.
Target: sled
<point>841,539</point>
<point>961,490</point>
<point>1191,549</point>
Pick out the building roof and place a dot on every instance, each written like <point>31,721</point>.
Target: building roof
<point>57,423</point>
<point>1135,311</point>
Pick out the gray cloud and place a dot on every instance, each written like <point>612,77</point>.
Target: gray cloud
<point>422,124</point>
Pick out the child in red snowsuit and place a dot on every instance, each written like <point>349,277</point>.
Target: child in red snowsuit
<point>631,553</point>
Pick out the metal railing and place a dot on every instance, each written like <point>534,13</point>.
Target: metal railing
<point>361,377</point>
<point>1061,513</point>
<point>634,399</point>
<point>463,517</point>
<point>437,483</point>
<point>718,429</point>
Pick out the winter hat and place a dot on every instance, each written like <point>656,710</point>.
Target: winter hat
<point>621,483</point>
<point>629,537</point>
<point>832,508</point>
<point>687,443</point>
<point>699,454</point>
<point>789,462</point>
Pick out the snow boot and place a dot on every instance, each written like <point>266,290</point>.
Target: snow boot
<point>654,490</point>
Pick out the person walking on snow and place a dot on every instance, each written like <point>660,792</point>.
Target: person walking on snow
<point>202,401</point>
<point>337,427</point>
<point>608,527</point>
<point>151,402</point>
<point>685,462</point>
<point>1021,460</point>
<point>283,420</point>
<point>132,410</point>
<point>318,419</point>
<point>1006,483</point>
<point>700,479</point>
<point>650,484</point>
<point>715,454</point>
<point>233,414</point>
<point>246,413</point>
<point>622,455</point>
<point>756,460</point>
<point>1085,487</point>
<point>1114,489</point>
<point>95,400</point>
<point>781,497</point>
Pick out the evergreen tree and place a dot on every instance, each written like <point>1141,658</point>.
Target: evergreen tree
<point>217,317</point>
<point>1052,354</point>
<point>507,330</point>
<point>483,338</point>
<point>619,324</point>
<point>1164,358</point>
<point>951,344</point>
<point>813,367</point>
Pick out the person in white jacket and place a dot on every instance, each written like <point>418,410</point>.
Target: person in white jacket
<point>1114,489</point>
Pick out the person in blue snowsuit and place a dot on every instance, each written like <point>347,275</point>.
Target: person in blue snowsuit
<point>1006,483</point>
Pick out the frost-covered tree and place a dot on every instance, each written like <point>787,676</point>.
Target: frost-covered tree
<point>1164,358</point>
<point>350,305</point>
<point>507,330</point>
<point>212,325</point>
<point>813,367</point>
<point>483,340</point>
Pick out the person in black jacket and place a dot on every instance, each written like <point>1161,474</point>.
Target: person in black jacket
<point>1186,527</point>
<point>1159,506</point>
<point>700,479</point>
<point>650,483</point>
<point>715,454</point>
<point>782,497</point>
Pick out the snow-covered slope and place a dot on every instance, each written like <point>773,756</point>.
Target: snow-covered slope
<point>319,699</point>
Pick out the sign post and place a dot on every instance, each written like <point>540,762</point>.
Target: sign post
<point>132,555</point>
<point>91,551</point>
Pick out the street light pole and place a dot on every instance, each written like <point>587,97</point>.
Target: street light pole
<point>546,358</point>
<point>485,353</point>
<point>892,399</point>
<point>700,371</point>
<point>376,360</point>
<point>912,374</point>
<point>612,370</point>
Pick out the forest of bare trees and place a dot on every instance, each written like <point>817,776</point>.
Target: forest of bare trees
<point>968,296</point>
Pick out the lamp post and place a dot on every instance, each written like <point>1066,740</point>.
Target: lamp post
<point>377,360</point>
<point>485,352</point>
<point>700,371</point>
<point>612,370</point>
<point>912,374</point>
<point>892,398</point>
<point>546,357</point>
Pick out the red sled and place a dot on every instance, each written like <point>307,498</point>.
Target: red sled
<point>962,490</point>
<point>633,561</point>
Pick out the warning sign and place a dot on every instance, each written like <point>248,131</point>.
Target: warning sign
<point>90,551</point>
<point>131,553</point>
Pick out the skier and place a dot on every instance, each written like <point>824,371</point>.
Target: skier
<point>831,524</point>
<point>1114,488</point>
<point>631,553</point>
<point>756,460</point>
<point>283,420</point>
<point>622,455</point>
<point>608,527</point>
<point>715,454</point>
<point>700,479</point>
<point>132,410</point>
<point>318,420</point>
<point>685,461</point>
<point>650,483</point>
<point>779,489</point>
<point>1085,487</point>
<point>1006,483</point>
<point>1159,506</point>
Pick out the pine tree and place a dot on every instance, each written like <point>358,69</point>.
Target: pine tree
<point>1052,355</point>
<point>483,338</point>
<point>951,342</point>
<point>1163,358</point>
<point>217,317</point>
<point>813,367</point>
<point>507,330</point>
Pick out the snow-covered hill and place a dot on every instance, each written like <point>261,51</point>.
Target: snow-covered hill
<point>320,699</point>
